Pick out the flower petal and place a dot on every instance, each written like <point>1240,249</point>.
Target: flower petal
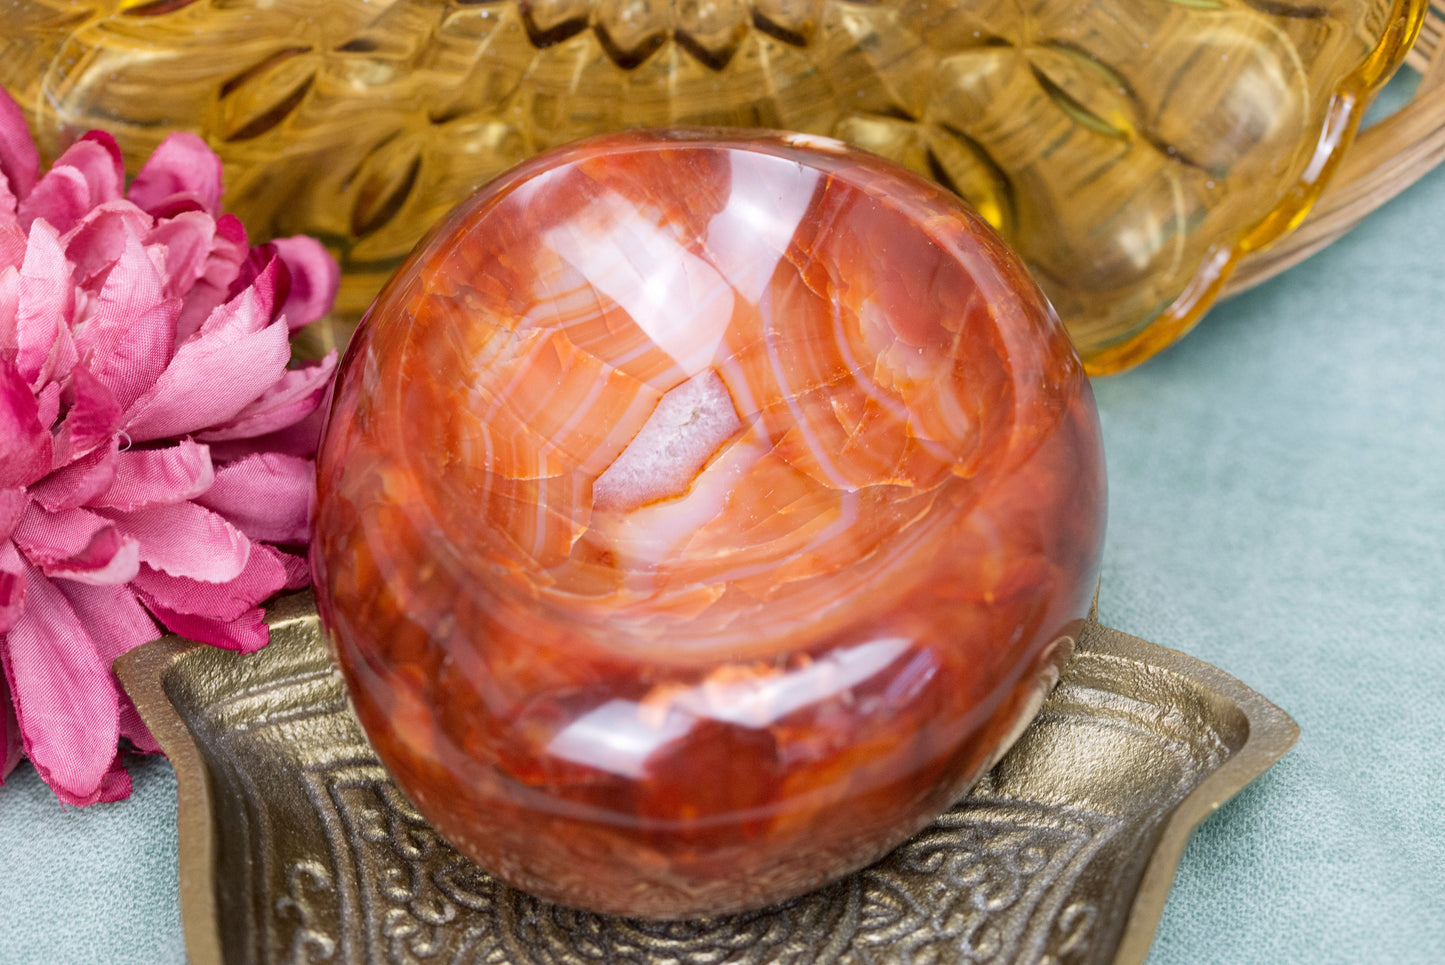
<point>183,174</point>
<point>265,574</point>
<point>12,506</point>
<point>45,537</point>
<point>266,496</point>
<point>292,398</point>
<point>10,302</point>
<point>184,539</point>
<point>229,249</point>
<point>12,585</point>
<point>91,419</point>
<point>152,477</point>
<point>26,444</point>
<point>19,158</point>
<point>77,545</point>
<point>141,354</point>
<point>10,745</point>
<point>252,305</point>
<point>315,278</point>
<point>78,483</point>
<point>110,559</point>
<point>298,570</point>
<point>246,634</point>
<point>118,624</point>
<point>96,243</point>
<point>115,785</point>
<point>187,239</point>
<point>12,244</point>
<point>210,379</point>
<point>88,174</point>
<point>132,285</point>
<point>98,157</point>
<point>60,199</point>
<point>65,698</point>
<point>8,205</point>
<point>46,304</point>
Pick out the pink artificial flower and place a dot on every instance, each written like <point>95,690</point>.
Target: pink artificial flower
<point>155,446</point>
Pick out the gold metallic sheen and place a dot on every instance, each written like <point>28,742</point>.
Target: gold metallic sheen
<point>295,846</point>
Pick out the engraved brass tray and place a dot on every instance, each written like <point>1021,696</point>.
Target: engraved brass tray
<point>296,847</point>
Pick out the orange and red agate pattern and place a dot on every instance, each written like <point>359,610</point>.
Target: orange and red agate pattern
<point>700,514</point>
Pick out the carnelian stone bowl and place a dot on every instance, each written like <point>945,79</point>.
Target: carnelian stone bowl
<point>700,514</point>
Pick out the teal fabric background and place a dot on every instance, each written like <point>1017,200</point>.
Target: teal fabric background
<point>1277,508</point>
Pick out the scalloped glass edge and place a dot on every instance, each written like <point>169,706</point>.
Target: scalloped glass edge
<point>1347,107</point>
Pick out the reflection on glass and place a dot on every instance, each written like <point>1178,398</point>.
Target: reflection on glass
<point>1129,149</point>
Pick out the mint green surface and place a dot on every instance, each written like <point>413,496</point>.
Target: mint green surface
<point>1277,508</point>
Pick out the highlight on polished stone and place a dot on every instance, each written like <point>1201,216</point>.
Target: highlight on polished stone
<point>702,513</point>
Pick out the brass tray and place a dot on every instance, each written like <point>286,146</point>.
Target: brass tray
<point>296,847</point>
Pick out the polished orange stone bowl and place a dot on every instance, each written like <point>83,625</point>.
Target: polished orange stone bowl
<point>700,514</point>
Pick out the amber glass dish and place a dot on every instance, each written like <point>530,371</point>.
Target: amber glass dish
<point>1131,150</point>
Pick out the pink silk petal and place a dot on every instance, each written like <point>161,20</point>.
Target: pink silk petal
<point>12,585</point>
<point>91,421</point>
<point>115,619</point>
<point>251,306</point>
<point>46,303</point>
<point>184,539</point>
<point>229,250</point>
<point>266,496</point>
<point>246,634</point>
<point>298,571</point>
<point>9,204</point>
<point>65,698</point>
<point>118,624</point>
<point>292,398</point>
<point>88,174</point>
<point>12,506</point>
<point>263,261</point>
<point>9,304</point>
<point>110,559</point>
<point>182,173</point>
<point>47,403</point>
<point>142,352</point>
<point>78,483</point>
<point>12,244</point>
<point>61,361</point>
<point>115,785</point>
<point>134,729</point>
<point>19,158</point>
<point>96,243</point>
<point>264,576</point>
<point>211,378</point>
<point>61,198</point>
<point>153,477</point>
<point>46,537</point>
<point>77,545</point>
<point>187,240</point>
<point>98,157</point>
<point>10,744</point>
<point>25,446</point>
<point>300,439</point>
<point>131,287</point>
<point>315,278</point>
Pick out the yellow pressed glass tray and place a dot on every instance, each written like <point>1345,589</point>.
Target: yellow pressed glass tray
<point>1131,150</point>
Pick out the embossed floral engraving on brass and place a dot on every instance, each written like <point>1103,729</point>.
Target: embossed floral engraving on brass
<point>296,847</point>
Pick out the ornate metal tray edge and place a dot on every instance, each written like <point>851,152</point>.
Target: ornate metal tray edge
<point>1265,734</point>
<point>1271,734</point>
